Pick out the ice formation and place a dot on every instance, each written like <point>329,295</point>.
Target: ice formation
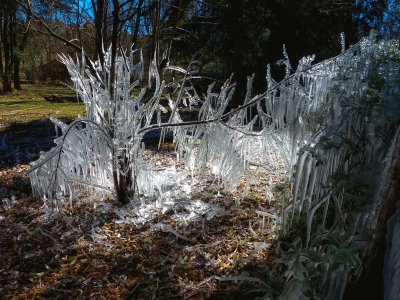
<point>103,150</point>
<point>334,107</point>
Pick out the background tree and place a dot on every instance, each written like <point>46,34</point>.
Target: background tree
<point>7,39</point>
<point>20,39</point>
<point>242,37</point>
<point>226,36</point>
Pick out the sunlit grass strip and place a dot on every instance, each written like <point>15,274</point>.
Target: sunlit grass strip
<point>30,105</point>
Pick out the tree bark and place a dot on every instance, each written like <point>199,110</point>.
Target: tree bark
<point>154,50</point>
<point>98,23</point>
<point>16,77</point>
<point>137,23</point>
<point>21,48</point>
<point>7,48</point>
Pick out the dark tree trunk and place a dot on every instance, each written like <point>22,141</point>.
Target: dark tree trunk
<point>124,185</point>
<point>137,23</point>
<point>17,54</point>
<point>123,182</point>
<point>6,84</point>
<point>17,79</point>
<point>98,23</point>
<point>1,60</point>
<point>156,35</point>
<point>114,45</point>
<point>6,29</point>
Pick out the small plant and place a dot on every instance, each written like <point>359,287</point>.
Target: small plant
<point>319,270</point>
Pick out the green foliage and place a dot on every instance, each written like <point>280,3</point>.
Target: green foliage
<point>378,109</point>
<point>242,37</point>
<point>361,114</point>
<point>355,130</point>
<point>313,268</point>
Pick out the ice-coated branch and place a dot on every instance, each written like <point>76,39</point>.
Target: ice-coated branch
<point>104,149</point>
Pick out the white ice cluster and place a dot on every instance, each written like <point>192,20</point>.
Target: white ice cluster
<point>103,151</point>
<point>334,107</point>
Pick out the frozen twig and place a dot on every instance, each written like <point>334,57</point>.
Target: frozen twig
<point>166,228</point>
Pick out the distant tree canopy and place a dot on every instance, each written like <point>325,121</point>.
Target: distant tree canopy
<point>226,36</point>
<point>249,34</point>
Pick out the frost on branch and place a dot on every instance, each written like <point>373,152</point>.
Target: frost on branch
<point>348,113</point>
<point>103,150</point>
<point>313,119</point>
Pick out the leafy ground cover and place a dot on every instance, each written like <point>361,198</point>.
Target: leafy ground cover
<point>92,251</point>
<point>29,104</point>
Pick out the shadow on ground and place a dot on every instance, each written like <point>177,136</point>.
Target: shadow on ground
<point>23,142</point>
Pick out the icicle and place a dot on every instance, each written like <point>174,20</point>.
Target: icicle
<point>286,62</point>
<point>269,77</point>
<point>306,178</point>
<point>342,42</point>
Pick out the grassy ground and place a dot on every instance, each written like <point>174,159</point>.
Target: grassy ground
<point>29,104</point>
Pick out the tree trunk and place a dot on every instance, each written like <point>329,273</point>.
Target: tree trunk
<point>1,60</point>
<point>114,46</point>
<point>137,24</point>
<point>6,83</point>
<point>154,50</point>
<point>125,185</point>
<point>123,174</point>
<point>16,77</point>
<point>98,23</point>
<point>7,65</point>
<point>17,54</point>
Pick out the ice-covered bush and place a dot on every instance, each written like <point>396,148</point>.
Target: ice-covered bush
<point>314,119</point>
<point>358,96</point>
<point>103,150</point>
<point>332,124</point>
